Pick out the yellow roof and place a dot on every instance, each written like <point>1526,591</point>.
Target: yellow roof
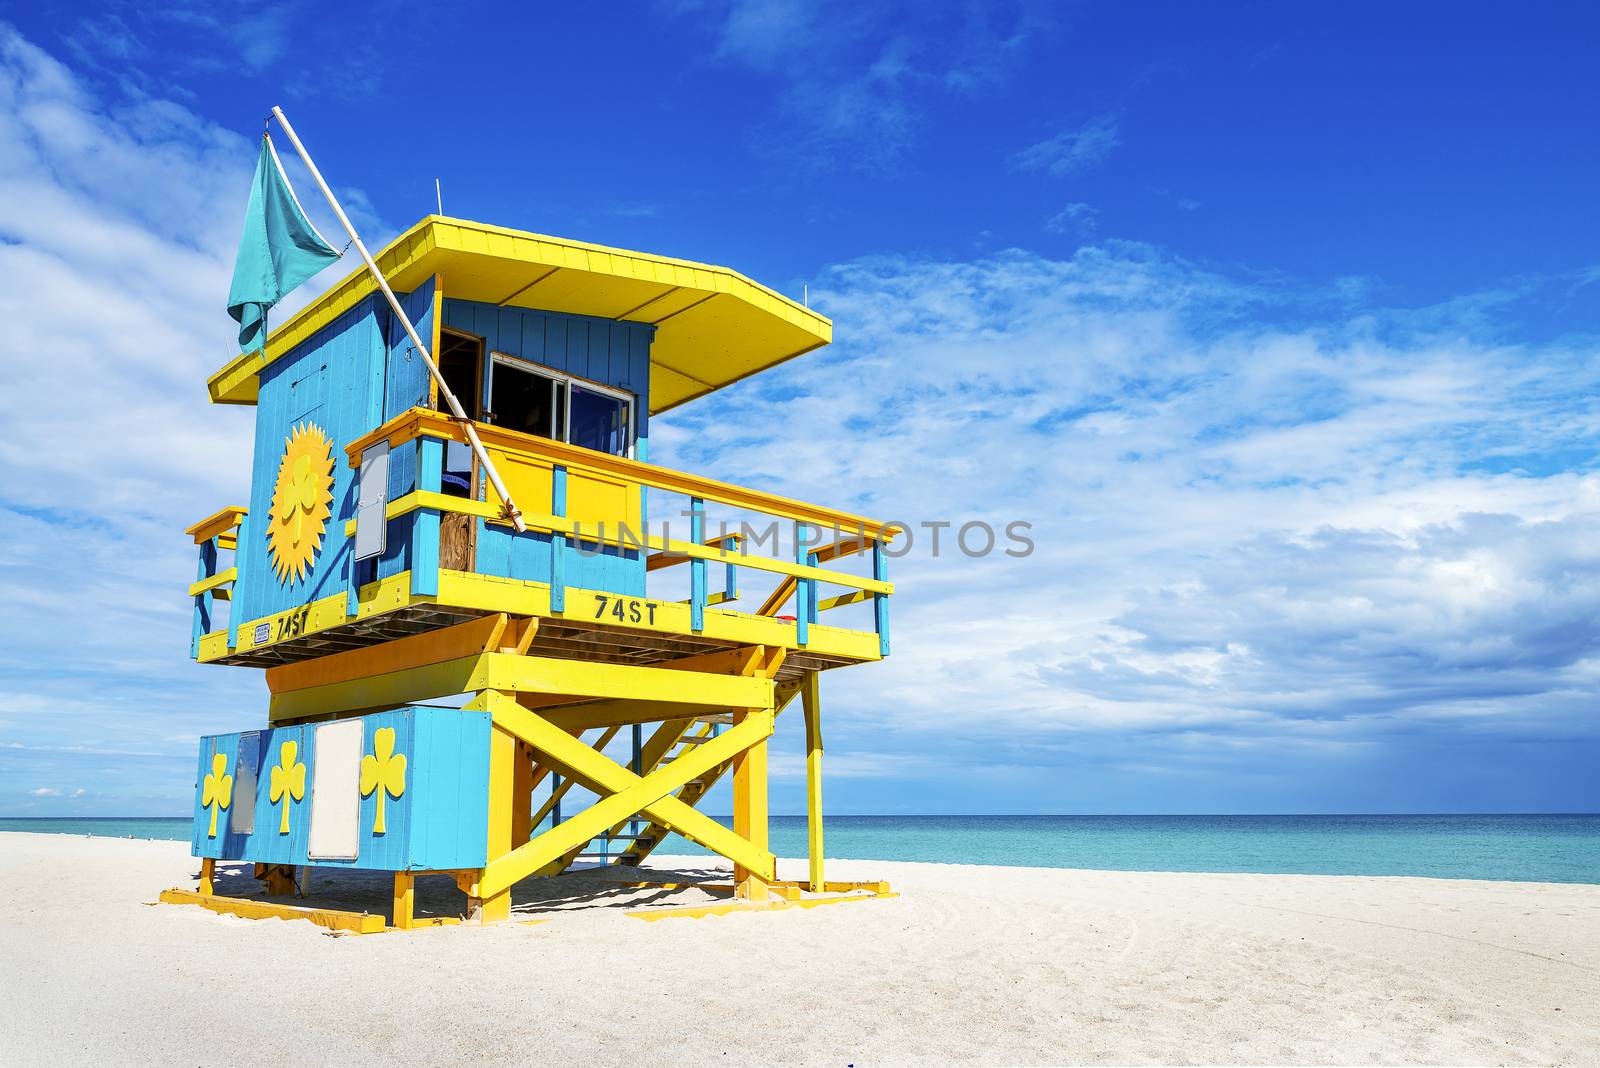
<point>713,325</point>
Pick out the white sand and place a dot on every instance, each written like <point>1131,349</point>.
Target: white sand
<point>988,965</point>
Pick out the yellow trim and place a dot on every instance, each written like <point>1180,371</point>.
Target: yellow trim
<point>475,636</point>
<point>657,561</point>
<point>521,674</point>
<point>442,502</point>
<point>685,549</point>
<point>522,597</point>
<point>519,597</point>
<point>374,599</point>
<point>713,325</point>
<point>219,579</point>
<point>332,919</point>
<point>583,678</point>
<point>212,646</point>
<point>217,523</point>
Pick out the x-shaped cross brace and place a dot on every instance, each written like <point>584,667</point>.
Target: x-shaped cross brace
<point>622,793</point>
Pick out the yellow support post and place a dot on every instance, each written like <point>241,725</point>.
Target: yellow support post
<point>750,811</point>
<point>404,900</point>
<point>279,880</point>
<point>811,704</point>
<point>208,874</point>
<point>503,752</point>
<point>522,796</point>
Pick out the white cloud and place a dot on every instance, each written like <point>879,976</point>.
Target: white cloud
<point>44,791</point>
<point>1268,518</point>
<point>118,223</point>
<point>1071,151</point>
<point>1076,217</point>
<point>1247,528</point>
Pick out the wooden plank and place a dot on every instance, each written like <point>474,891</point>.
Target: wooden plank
<point>220,578</point>
<point>217,523</point>
<point>479,635</point>
<point>332,919</point>
<point>551,675</point>
<point>657,561</point>
<point>811,702</point>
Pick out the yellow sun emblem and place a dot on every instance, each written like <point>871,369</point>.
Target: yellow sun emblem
<point>301,502</point>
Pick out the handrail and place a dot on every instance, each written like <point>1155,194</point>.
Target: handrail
<point>554,524</point>
<point>421,422</point>
<point>219,579</point>
<point>217,523</point>
<point>657,561</point>
<point>785,589</point>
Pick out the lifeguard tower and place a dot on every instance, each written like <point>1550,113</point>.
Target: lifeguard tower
<point>439,681</point>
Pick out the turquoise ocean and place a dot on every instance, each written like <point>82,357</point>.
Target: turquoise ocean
<point>1531,848</point>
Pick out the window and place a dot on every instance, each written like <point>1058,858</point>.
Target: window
<point>551,405</point>
<point>599,420</point>
<point>521,398</point>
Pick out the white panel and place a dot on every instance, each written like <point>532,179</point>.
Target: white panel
<point>242,814</point>
<point>336,791</point>
<point>372,497</point>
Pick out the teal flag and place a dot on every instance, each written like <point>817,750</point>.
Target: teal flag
<point>279,250</point>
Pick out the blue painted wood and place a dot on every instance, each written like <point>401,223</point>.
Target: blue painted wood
<point>558,542</point>
<point>406,384</point>
<point>615,354</point>
<point>880,601</point>
<point>326,381</point>
<point>697,567</point>
<point>403,478</point>
<point>425,521</point>
<point>267,843</point>
<point>450,817</point>
<point>439,822</point>
<point>240,561</point>
<point>222,845</point>
<point>202,601</point>
<point>803,591</point>
<point>811,585</point>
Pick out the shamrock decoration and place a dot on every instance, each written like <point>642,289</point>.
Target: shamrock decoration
<point>216,793</point>
<point>288,781</point>
<point>384,768</point>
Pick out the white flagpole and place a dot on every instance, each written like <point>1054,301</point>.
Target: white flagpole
<point>427,358</point>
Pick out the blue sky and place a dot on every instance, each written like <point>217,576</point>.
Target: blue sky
<point>1278,322</point>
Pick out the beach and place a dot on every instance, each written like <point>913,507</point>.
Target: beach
<point>968,964</point>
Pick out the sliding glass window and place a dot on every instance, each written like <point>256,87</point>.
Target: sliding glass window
<point>552,405</point>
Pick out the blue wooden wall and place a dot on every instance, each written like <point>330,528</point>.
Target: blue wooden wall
<point>613,353</point>
<point>347,379</point>
<point>602,350</point>
<point>439,821</point>
<point>333,381</point>
<point>361,371</point>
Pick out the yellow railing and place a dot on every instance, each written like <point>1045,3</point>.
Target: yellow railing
<point>213,534</point>
<point>593,498</point>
